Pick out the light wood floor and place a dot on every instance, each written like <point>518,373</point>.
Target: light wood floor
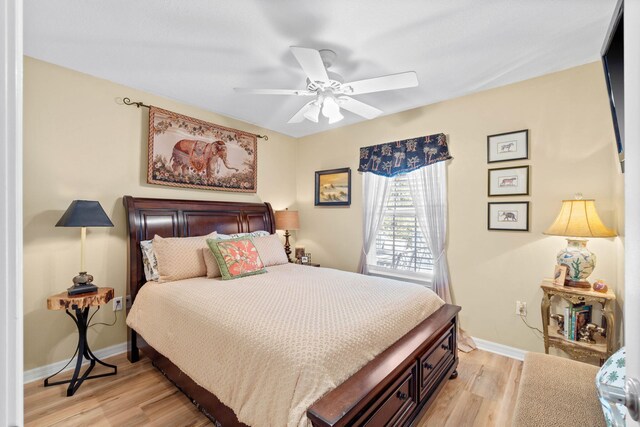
<point>483,395</point>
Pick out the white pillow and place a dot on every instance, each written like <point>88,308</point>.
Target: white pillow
<point>149,261</point>
<point>270,250</point>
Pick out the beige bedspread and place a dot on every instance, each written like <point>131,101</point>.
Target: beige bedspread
<point>269,346</point>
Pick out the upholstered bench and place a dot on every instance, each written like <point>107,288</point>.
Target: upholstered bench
<point>555,392</point>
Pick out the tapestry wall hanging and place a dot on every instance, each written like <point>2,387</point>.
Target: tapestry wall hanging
<point>187,152</point>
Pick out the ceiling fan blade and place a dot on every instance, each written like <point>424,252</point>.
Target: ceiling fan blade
<point>274,91</point>
<point>299,116</point>
<point>359,108</point>
<point>379,84</point>
<point>311,63</point>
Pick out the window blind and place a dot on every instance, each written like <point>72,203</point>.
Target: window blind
<point>400,244</point>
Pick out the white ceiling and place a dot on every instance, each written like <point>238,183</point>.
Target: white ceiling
<point>197,51</point>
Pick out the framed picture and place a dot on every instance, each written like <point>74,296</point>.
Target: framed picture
<point>559,274</point>
<point>299,253</point>
<point>187,152</point>
<point>504,147</point>
<point>333,187</point>
<point>509,181</point>
<point>508,216</point>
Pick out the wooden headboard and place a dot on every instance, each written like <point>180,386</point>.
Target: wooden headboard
<point>183,218</point>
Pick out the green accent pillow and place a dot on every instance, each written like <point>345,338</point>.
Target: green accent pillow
<point>236,257</point>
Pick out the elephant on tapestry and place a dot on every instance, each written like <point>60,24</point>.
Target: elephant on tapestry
<point>199,156</point>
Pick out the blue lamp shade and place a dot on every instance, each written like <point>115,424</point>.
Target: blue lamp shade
<point>84,213</point>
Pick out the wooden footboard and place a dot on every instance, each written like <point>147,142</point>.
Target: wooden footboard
<point>399,384</point>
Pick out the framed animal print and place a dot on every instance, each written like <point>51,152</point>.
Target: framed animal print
<point>508,216</point>
<point>333,187</point>
<point>509,181</point>
<point>504,147</point>
<point>187,152</point>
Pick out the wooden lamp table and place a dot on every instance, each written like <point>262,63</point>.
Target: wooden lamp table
<point>81,304</point>
<point>604,346</point>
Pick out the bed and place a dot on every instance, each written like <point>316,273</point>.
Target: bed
<point>392,387</point>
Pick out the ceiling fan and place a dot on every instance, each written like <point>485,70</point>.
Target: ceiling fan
<point>330,92</point>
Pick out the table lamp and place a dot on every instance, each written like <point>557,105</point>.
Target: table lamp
<point>83,214</point>
<point>287,220</point>
<point>578,218</point>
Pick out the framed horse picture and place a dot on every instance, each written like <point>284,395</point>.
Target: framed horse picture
<point>504,147</point>
<point>187,152</point>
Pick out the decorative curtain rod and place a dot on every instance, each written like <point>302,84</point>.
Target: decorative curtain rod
<point>127,101</point>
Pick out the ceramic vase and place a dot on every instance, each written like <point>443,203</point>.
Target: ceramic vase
<point>580,262</point>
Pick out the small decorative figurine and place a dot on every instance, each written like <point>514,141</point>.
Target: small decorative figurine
<point>600,286</point>
<point>586,332</point>
<point>559,318</point>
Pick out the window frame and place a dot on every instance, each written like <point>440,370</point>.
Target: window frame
<point>423,277</point>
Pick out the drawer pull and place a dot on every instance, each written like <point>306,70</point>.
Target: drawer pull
<point>401,395</point>
<point>444,347</point>
<point>428,365</point>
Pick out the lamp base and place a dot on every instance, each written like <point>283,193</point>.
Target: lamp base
<point>84,288</point>
<point>578,284</point>
<point>287,245</point>
<point>580,263</point>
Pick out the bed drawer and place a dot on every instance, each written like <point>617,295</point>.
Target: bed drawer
<point>398,405</point>
<point>436,360</point>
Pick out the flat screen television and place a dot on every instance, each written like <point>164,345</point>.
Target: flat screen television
<point>613,63</point>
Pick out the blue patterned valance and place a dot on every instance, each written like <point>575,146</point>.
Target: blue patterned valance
<point>397,157</point>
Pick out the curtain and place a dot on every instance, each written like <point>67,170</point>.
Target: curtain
<point>375,189</point>
<point>428,187</point>
<point>393,158</point>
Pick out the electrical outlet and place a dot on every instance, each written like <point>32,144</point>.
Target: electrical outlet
<point>117,304</point>
<point>521,308</point>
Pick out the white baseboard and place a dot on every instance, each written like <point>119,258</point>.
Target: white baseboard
<point>45,371</point>
<point>501,349</point>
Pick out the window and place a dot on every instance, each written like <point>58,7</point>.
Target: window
<point>400,247</point>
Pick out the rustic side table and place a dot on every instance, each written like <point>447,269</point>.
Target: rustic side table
<point>81,304</point>
<point>604,345</point>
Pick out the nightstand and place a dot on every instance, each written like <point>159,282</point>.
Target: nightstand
<point>310,264</point>
<point>81,304</point>
<point>603,346</point>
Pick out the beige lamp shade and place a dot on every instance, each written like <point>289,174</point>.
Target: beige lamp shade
<point>579,218</point>
<point>287,220</point>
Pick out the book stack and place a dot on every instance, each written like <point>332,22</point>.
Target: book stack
<point>576,317</point>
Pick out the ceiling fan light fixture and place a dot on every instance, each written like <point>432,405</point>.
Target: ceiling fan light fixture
<point>330,107</point>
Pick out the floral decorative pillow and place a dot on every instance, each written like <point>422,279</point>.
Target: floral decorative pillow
<point>236,257</point>
<point>613,373</point>
<point>259,233</point>
<point>149,261</point>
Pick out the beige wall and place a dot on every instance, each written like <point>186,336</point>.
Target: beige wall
<point>571,150</point>
<point>79,143</point>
